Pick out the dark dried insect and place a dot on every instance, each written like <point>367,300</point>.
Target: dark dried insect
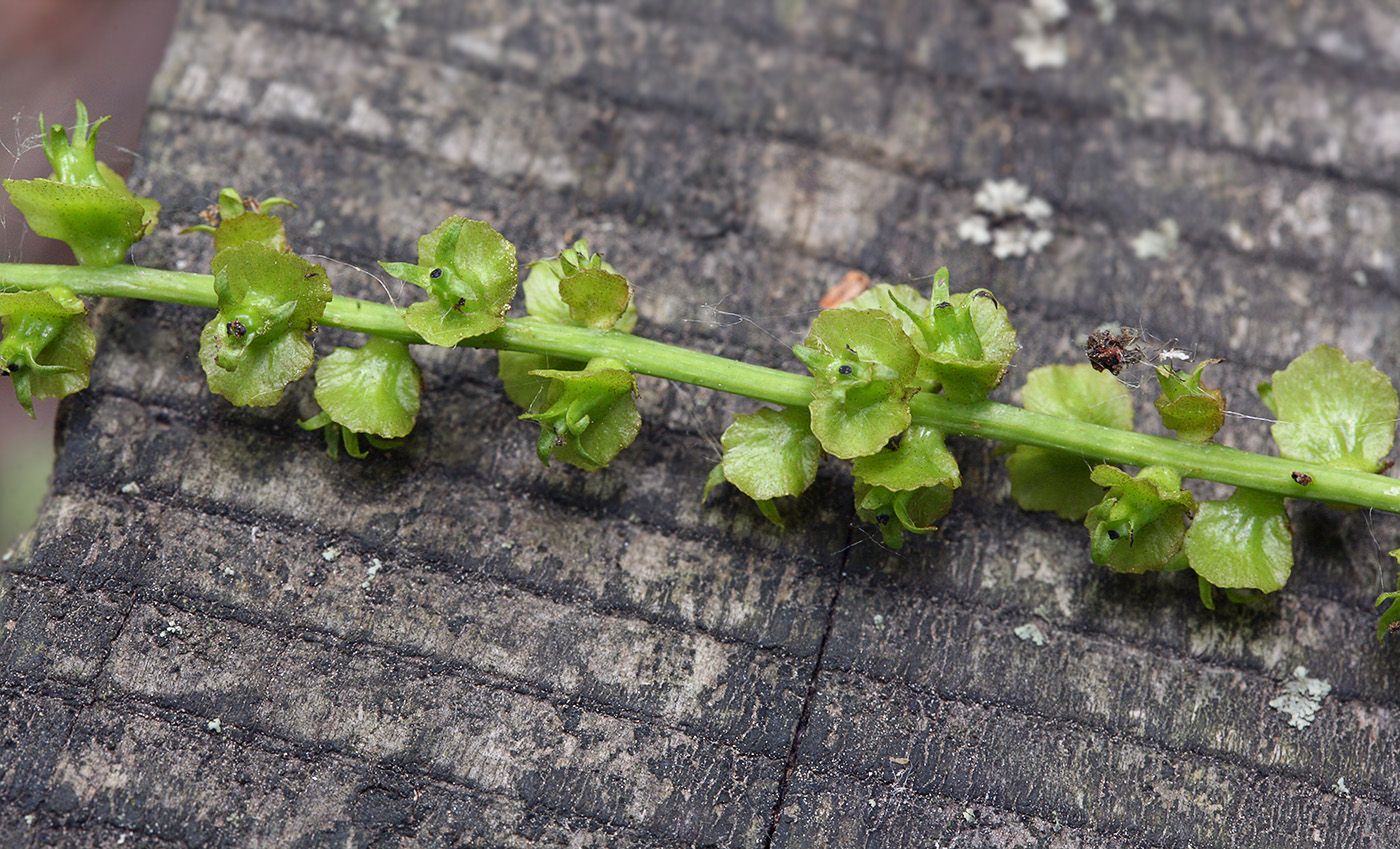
<point>1111,352</point>
<point>1302,478</point>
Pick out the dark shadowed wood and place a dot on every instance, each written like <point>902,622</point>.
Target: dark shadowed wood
<point>216,636</point>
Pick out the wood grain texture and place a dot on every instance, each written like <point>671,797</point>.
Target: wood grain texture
<point>454,646</point>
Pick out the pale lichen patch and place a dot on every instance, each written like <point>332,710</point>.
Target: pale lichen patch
<point>1156,242</point>
<point>1009,218</point>
<point>1302,698</point>
<point>1030,633</point>
<point>1041,43</point>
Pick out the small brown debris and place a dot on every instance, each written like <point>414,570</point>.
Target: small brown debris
<point>852,284</point>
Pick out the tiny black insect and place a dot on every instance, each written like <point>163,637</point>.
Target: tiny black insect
<point>236,328</point>
<point>435,273</point>
<point>1302,478</point>
<point>845,369</point>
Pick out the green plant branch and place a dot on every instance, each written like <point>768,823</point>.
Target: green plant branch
<point>986,419</point>
<point>1212,462</point>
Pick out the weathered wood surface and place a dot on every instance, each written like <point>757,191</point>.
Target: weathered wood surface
<point>452,646</point>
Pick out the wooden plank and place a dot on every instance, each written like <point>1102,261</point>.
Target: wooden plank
<point>451,645</point>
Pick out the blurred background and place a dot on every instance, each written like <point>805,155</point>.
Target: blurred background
<point>53,52</point>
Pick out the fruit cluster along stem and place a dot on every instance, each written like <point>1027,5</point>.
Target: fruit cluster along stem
<point>985,419</point>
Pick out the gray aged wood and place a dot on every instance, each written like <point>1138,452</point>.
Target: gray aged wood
<point>453,646</point>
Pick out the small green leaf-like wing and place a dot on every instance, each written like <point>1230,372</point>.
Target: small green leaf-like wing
<point>1045,479</point>
<point>84,204</point>
<point>849,430</point>
<point>1081,393</point>
<point>921,459</point>
<point>579,289</point>
<point>448,325</point>
<point>771,453</point>
<point>1332,411</point>
<point>1243,542</point>
<point>589,415</point>
<point>470,271</point>
<point>47,346</point>
<point>522,385</point>
<point>907,487</point>
<point>268,301</point>
<point>54,302</point>
<point>1193,411</point>
<point>478,264</point>
<point>1052,481</point>
<point>894,300</point>
<point>965,341</point>
<point>97,223</point>
<point>251,227</point>
<point>896,511</point>
<point>257,277</point>
<point>541,289</point>
<point>863,364</point>
<point>596,298</point>
<point>261,370</point>
<point>374,389</point>
<point>1141,522</point>
<point>65,364</point>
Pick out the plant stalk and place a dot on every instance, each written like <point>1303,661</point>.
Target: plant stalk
<point>986,419</point>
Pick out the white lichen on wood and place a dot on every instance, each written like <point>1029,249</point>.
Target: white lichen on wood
<point>1156,242</point>
<point>1009,218</point>
<point>374,566</point>
<point>1041,43</point>
<point>1031,633</point>
<point>1302,698</point>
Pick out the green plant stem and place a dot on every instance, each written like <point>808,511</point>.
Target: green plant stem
<point>987,419</point>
